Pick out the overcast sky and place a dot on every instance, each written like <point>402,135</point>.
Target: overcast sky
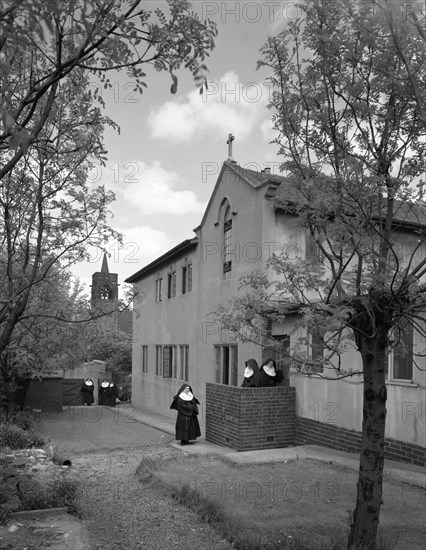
<point>165,162</point>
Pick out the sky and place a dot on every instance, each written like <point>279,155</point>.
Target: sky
<point>165,162</point>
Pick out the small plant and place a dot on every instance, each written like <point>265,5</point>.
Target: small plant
<point>15,437</point>
<point>7,484</point>
<point>57,492</point>
<point>24,421</point>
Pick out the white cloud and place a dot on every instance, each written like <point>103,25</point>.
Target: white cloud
<point>228,105</point>
<point>146,188</point>
<point>153,191</point>
<point>267,130</point>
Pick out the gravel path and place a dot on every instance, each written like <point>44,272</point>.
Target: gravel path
<point>122,512</point>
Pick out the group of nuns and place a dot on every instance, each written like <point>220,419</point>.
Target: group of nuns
<point>107,392</point>
<point>265,376</point>
<point>186,404</point>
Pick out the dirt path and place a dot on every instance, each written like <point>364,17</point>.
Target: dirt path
<point>121,512</point>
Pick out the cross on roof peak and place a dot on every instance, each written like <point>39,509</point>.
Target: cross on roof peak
<point>229,142</point>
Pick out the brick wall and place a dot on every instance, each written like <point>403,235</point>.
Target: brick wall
<point>313,432</point>
<point>246,419</point>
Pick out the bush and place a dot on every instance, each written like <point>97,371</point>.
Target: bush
<point>15,437</point>
<point>8,487</point>
<point>24,421</point>
<point>36,495</point>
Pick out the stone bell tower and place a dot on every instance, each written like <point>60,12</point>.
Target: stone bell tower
<point>104,285</point>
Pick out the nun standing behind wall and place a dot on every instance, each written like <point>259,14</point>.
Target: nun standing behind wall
<point>103,392</point>
<point>251,374</point>
<point>268,373</point>
<point>187,426</point>
<point>87,391</point>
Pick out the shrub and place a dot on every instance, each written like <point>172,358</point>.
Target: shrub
<point>58,492</point>
<point>24,421</point>
<point>15,437</point>
<point>8,488</point>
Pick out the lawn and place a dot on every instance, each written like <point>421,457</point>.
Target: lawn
<point>297,504</point>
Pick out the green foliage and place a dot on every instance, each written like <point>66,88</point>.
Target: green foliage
<point>51,493</point>
<point>14,437</point>
<point>55,58</point>
<point>93,38</point>
<point>7,484</point>
<point>24,421</point>
<point>349,108</point>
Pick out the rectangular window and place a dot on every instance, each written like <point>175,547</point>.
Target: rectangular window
<point>227,365</point>
<point>174,361</point>
<point>167,361</point>
<point>400,362</point>
<point>184,362</point>
<point>312,250</point>
<point>158,360</point>
<point>227,252</point>
<point>171,284</point>
<point>144,358</point>
<point>158,290</point>
<point>317,346</point>
<point>186,278</point>
<point>189,277</point>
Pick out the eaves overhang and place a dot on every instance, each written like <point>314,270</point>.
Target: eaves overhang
<point>184,246</point>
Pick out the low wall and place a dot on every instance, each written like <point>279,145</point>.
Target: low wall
<point>45,394</point>
<point>313,432</point>
<point>247,419</point>
<point>94,370</point>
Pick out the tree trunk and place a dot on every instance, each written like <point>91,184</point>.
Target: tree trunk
<point>365,520</point>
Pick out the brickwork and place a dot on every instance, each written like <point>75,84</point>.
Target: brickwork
<point>313,432</point>
<point>247,419</point>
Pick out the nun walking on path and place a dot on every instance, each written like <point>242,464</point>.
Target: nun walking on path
<point>187,426</point>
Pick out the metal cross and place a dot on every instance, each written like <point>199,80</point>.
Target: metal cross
<point>229,142</point>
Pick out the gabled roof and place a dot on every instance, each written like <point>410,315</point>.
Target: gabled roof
<point>257,180</point>
<point>410,215</point>
<point>166,257</point>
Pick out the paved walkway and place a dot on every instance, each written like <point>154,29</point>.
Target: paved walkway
<point>399,471</point>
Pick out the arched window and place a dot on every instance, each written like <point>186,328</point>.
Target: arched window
<point>227,243</point>
<point>106,292</point>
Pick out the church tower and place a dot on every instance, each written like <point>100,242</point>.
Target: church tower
<point>104,286</point>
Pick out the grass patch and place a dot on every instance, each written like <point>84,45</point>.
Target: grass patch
<point>299,505</point>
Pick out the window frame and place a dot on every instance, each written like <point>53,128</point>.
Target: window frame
<point>167,363</point>
<point>171,284</point>
<point>227,243</point>
<point>158,359</point>
<point>187,278</point>
<point>226,364</point>
<point>144,358</point>
<point>316,350</point>
<point>159,289</point>
<point>408,353</point>
<point>184,361</point>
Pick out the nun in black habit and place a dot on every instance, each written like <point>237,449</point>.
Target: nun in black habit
<point>111,394</point>
<point>268,373</point>
<point>251,374</point>
<point>103,389</point>
<point>187,426</point>
<point>87,391</point>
